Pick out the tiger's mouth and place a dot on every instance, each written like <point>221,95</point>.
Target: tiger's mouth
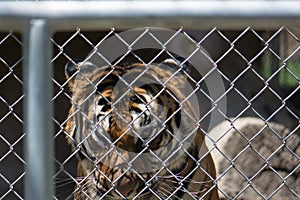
<point>121,185</point>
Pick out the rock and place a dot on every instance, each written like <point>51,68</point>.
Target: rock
<point>256,160</point>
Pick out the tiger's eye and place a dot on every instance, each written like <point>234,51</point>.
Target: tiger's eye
<point>133,98</point>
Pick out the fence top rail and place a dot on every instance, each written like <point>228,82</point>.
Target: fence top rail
<point>132,14</point>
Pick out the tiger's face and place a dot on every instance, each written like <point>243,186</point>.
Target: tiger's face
<point>135,131</point>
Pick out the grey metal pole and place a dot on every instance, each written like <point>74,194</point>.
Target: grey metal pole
<point>95,15</point>
<point>38,112</point>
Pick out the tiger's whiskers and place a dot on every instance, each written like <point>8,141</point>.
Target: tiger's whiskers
<point>170,178</point>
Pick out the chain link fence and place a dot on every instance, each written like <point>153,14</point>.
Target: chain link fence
<point>251,124</point>
<point>12,133</point>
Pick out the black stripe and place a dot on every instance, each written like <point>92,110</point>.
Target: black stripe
<point>104,101</point>
<point>109,81</point>
<point>178,117</point>
<point>152,88</point>
<point>136,109</point>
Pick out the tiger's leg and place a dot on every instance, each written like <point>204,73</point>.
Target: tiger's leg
<point>201,184</point>
<point>207,162</point>
<point>202,181</point>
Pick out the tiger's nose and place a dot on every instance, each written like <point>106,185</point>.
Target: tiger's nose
<point>125,186</point>
<point>125,191</point>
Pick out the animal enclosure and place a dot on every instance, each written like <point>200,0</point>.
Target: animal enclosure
<point>243,83</point>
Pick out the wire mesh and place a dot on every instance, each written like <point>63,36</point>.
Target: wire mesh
<point>256,149</point>
<point>11,120</point>
<point>254,86</point>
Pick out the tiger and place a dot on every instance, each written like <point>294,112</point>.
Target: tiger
<point>136,133</point>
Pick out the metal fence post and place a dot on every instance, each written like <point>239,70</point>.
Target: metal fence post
<point>38,112</point>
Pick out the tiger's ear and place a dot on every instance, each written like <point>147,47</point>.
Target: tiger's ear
<point>178,63</point>
<point>70,69</point>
